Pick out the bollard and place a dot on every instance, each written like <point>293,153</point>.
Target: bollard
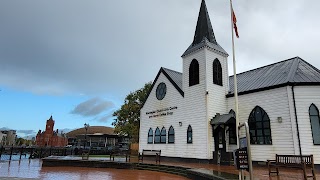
<point>1,149</point>
<point>31,153</point>
<point>21,150</point>
<point>11,153</point>
<point>40,153</point>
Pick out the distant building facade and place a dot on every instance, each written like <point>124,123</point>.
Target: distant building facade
<point>8,137</point>
<point>49,137</point>
<point>95,136</point>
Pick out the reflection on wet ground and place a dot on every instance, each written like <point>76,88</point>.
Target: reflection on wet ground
<point>33,169</point>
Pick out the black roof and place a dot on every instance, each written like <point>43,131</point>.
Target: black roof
<point>204,35</point>
<point>294,71</point>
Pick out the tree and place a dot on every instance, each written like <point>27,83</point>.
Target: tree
<point>127,120</point>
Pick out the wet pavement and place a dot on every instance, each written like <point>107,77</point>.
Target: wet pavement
<point>25,169</point>
<point>260,172</point>
<point>33,169</point>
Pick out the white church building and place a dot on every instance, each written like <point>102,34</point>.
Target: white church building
<point>190,115</point>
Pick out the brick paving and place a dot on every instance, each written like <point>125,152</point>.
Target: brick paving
<point>260,172</point>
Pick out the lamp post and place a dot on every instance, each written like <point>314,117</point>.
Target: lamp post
<point>86,126</point>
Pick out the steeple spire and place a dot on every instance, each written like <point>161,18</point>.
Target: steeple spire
<point>204,35</point>
<point>204,27</point>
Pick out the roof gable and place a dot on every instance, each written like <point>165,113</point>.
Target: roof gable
<point>173,76</point>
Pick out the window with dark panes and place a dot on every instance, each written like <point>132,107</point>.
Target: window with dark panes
<point>232,134</point>
<point>171,135</point>
<point>217,72</point>
<point>315,123</point>
<point>189,134</point>
<point>163,135</point>
<point>194,73</point>
<point>259,126</point>
<point>150,136</point>
<point>157,136</point>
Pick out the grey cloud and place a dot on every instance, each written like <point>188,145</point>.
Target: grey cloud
<point>112,47</point>
<point>92,107</point>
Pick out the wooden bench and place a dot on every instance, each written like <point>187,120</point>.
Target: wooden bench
<point>145,152</point>
<point>125,153</point>
<point>293,161</point>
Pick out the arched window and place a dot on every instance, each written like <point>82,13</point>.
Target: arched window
<point>259,125</point>
<point>194,73</point>
<point>150,136</point>
<point>163,135</point>
<point>315,123</point>
<point>171,135</point>
<point>189,134</point>
<point>157,136</point>
<point>217,72</point>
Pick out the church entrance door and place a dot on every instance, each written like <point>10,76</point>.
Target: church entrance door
<point>219,145</point>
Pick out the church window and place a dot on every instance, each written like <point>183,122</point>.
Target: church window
<point>217,72</point>
<point>157,136</point>
<point>315,123</point>
<point>189,134</point>
<point>150,136</point>
<point>194,73</point>
<point>161,91</point>
<point>171,135</point>
<point>163,135</point>
<point>232,134</point>
<point>259,125</point>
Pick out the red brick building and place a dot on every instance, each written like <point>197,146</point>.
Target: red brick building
<point>49,137</point>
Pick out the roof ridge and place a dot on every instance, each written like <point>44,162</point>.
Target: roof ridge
<point>267,65</point>
<point>293,69</point>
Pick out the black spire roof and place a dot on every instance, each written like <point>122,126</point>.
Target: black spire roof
<point>204,35</point>
<point>204,27</point>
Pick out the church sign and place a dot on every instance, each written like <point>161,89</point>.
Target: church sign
<point>161,112</point>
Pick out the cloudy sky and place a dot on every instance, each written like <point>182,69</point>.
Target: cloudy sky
<point>78,59</point>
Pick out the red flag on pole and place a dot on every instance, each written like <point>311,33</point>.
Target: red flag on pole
<point>234,19</point>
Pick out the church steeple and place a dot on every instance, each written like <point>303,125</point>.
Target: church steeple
<point>204,35</point>
<point>204,27</point>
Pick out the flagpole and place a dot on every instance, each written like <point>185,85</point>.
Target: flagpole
<point>235,82</point>
<point>235,78</point>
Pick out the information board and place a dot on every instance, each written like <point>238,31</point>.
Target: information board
<point>242,158</point>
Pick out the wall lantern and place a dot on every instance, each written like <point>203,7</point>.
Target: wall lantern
<point>279,119</point>
<point>180,123</point>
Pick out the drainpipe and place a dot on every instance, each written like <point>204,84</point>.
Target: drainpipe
<point>295,114</point>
